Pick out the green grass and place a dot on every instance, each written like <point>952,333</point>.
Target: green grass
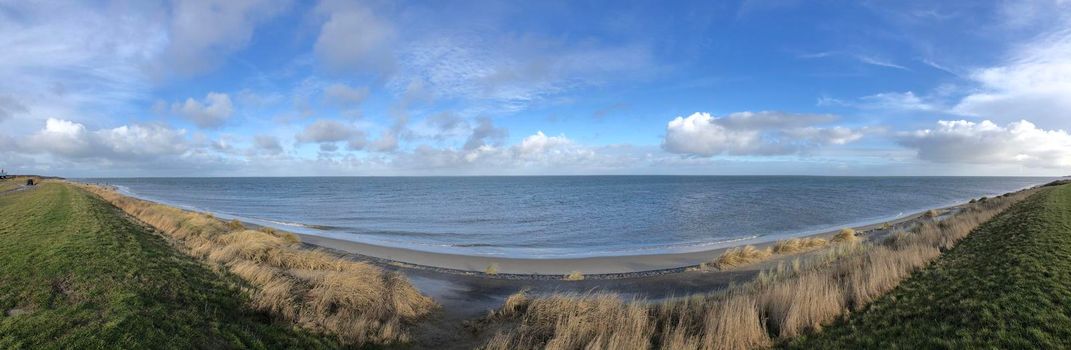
<point>1006,286</point>
<point>10,184</point>
<point>74,273</point>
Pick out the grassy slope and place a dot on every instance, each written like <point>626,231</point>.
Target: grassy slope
<point>10,184</point>
<point>1008,285</point>
<point>76,274</point>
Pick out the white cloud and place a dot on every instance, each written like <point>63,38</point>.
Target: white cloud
<point>1018,15</point>
<point>892,102</point>
<point>875,61</point>
<point>554,149</point>
<point>327,132</point>
<point>536,151</point>
<point>203,32</point>
<point>753,133</point>
<point>1020,143</point>
<point>211,113</point>
<point>837,135</point>
<point>128,142</point>
<point>862,58</point>
<point>73,60</point>
<point>902,101</point>
<point>1034,84</point>
<point>143,140</point>
<point>512,72</point>
<point>353,38</point>
<point>62,137</point>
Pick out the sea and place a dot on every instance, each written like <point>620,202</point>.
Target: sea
<point>564,216</point>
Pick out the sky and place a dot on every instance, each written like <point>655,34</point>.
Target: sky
<point>385,88</point>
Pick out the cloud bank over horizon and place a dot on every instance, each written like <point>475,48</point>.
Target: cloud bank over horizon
<point>278,87</point>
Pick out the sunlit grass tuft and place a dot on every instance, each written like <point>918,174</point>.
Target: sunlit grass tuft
<point>740,256</point>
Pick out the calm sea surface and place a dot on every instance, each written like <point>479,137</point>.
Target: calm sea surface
<point>565,216</point>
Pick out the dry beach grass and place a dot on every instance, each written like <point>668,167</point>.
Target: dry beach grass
<point>358,302</point>
<point>782,303</point>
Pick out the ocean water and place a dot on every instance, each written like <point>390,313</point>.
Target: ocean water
<point>548,217</point>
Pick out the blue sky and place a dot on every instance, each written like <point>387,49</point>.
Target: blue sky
<point>277,87</point>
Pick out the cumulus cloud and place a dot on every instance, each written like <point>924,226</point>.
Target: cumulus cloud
<point>753,133</point>
<point>961,141</point>
<point>327,132</point>
<point>353,38</point>
<point>202,33</point>
<point>1035,83</point>
<point>541,147</point>
<point>129,142</point>
<point>212,112</point>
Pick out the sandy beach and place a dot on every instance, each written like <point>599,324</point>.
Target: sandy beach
<point>600,267</point>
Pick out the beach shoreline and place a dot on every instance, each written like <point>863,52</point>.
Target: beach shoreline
<point>602,267</point>
<point>596,267</point>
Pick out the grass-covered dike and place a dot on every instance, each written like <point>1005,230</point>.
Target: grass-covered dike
<point>1006,286</point>
<point>79,270</point>
<point>76,274</point>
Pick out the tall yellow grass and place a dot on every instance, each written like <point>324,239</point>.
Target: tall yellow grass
<point>749,254</point>
<point>741,256</point>
<point>845,235</point>
<point>357,302</point>
<point>795,245</point>
<point>784,302</point>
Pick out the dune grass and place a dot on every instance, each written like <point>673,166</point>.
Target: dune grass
<point>75,274</point>
<point>749,254</point>
<point>795,245</point>
<point>1006,286</point>
<point>742,256</point>
<point>844,235</point>
<point>777,306</point>
<point>318,291</point>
